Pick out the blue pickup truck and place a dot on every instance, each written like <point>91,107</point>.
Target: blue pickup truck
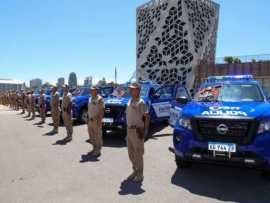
<point>80,102</point>
<point>157,98</point>
<point>228,122</point>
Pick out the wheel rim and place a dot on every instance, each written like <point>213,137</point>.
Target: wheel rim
<point>84,117</point>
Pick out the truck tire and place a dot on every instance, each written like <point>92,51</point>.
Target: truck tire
<point>181,163</point>
<point>104,131</point>
<point>84,116</point>
<point>266,173</point>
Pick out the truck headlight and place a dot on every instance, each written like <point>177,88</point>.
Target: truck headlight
<point>185,123</point>
<point>264,127</point>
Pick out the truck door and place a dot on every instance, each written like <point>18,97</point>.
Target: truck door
<point>176,107</point>
<point>161,103</point>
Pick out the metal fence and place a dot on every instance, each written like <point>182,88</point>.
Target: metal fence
<point>246,59</point>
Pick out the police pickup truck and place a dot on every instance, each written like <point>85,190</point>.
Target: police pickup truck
<point>157,98</point>
<point>80,102</point>
<point>228,122</point>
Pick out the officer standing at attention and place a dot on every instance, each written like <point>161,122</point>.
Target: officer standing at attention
<point>66,113</point>
<point>55,110</point>
<point>137,120</point>
<point>23,102</point>
<point>42,106</point>
<point>28,103</point>
<point>95,116</point>
<point>33,105</point>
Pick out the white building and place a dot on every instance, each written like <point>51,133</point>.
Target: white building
<point>35,83</point>
<point>173,38</point>
<point>11,85</point>
<point>88,81</point>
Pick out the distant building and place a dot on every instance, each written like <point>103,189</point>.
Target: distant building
<point>60,81</point>
<point>88,81</point>
<point>11,85</point>
<point>72,80</point>
<point>35,83</point>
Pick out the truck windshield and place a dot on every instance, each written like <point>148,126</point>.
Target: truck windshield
<point>84,92</point>
<point>229,93</point>
<point>124,91</point>
<point>106,91</point>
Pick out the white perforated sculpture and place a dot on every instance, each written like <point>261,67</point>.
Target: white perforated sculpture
<point>173,37</point>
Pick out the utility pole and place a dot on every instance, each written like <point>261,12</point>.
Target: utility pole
<point>115,75</point>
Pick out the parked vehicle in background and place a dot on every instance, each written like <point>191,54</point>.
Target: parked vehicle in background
<point>157,98</point>
<point>80,102</point>
<point>228,122</point>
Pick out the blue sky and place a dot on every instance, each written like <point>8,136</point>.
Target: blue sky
<point>51,38</point>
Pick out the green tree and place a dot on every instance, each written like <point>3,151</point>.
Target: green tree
<point>253,60</point>
<point>228,59</point>
<point>236,60</point>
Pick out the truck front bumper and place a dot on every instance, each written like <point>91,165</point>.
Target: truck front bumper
<point>256,154</point>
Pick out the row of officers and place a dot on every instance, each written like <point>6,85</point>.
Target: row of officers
<point>136,115</point>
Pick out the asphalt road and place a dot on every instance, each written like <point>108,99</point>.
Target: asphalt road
<point>33,168</point>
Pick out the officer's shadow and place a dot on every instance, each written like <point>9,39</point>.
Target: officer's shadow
<point>51,133</point>
<point>128,187</point>
<point>61,142</point>
<point>89,158</point>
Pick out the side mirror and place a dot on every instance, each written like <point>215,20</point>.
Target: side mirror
<point>182,100</point>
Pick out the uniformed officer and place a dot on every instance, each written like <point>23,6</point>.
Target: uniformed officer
<point>137,120</point>
<point>23,104</point>
<point>42,106</point>
<point>66,113</point>
<point>28,103</point>
<point>95,116</point>
<point>33,105</point>
<point>55,109</point>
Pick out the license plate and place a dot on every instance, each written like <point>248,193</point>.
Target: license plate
<point>221,147</point>
<point>175,114</point>
<point>107,120</point>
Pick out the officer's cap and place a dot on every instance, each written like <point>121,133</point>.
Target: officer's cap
<point>135,85</point>
<point>94,87</point>
<point>65,86</point>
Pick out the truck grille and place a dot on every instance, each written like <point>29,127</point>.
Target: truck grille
<point>240,130</point>
<point>114,111</point>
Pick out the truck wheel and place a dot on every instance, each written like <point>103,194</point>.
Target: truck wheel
<point>84,116</point>
<point>104,131</point>
<point>266,173</point>
<point>181,163</point>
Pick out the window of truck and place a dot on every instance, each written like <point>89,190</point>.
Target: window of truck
<point>230,93</point>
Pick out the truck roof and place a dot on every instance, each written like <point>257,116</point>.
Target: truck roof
<point>233,79</point>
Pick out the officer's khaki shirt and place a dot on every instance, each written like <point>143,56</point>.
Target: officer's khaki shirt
<point>55,101</point>
<point>42,100</point>
<point>33,100</point>
<point>66,103</point>
<point>95,107</point>
<point>136,108</point>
